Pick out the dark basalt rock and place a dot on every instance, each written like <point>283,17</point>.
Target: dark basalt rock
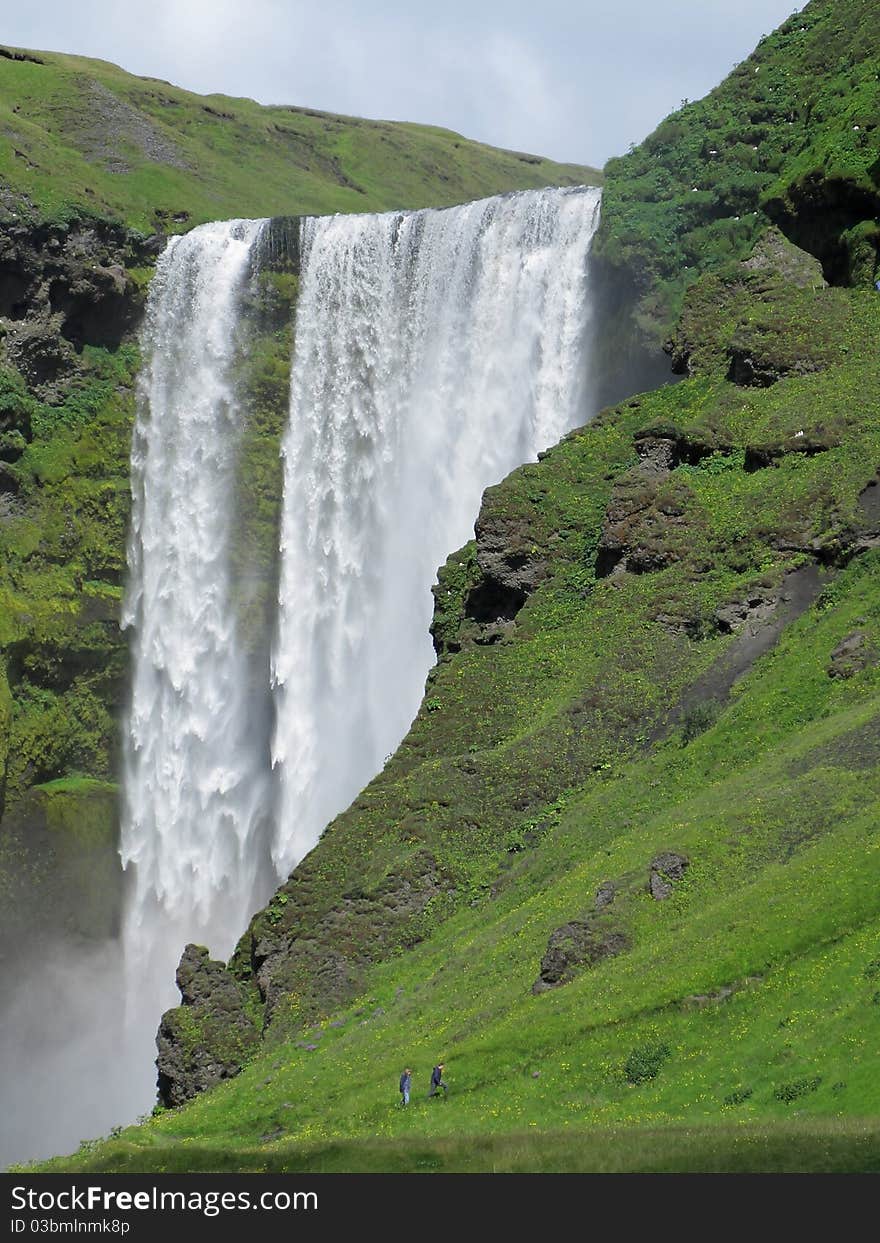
<point>661,448</point>
<point>754,609</point>
<point>658,454</point>
<point>774,253</point>
<point>95,306</point>
<point>667,869</point>
<point>63,287</point>
<point>9,484</point>
<point>645,524</point>
<point>819,212</point>
<point>605,894</point>
<point>510,569</point>
<point>209,1036</point>
<point>481,589</point>
<point>867,533</point>
<point>581,943</point>
<point>852,655</point>
<point>749,371</point>
<point>38,349</point>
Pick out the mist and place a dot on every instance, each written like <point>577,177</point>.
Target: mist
<point>62,1028</point>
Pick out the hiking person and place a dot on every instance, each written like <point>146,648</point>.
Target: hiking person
<point>405,1085</point>
<point>437,1081</point>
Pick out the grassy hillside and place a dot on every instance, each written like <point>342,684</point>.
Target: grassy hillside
<point>641,811</point>
<point>622,874</point>
<point>789,137</point>
<point>83,133</point>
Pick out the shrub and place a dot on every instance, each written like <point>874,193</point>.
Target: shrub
<point>789,1092</point>
<point>644,1062</point>
<point>738,1096</point>
<point>698,719</point>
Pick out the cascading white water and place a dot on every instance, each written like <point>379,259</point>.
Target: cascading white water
<point>195,777</point>
<point>435,351</point>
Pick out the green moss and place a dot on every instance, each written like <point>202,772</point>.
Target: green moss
<point>81,807</point>
<point>62,561</point>
<point>455,580</point>
<point>197,1030</point>
<point>263,391</point>
<point>6,710</point>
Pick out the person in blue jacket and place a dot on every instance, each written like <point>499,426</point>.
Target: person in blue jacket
<point>406,1085</point>
<point>437,1080</point>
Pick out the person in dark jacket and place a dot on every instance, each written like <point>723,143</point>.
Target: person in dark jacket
<point>405,1085</point>
<point>437,1080</point>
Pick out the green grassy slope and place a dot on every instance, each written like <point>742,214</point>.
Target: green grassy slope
<point>84,133</point>
<point>743,1011</point>
<point>789,136</point>
<point>645,698</point>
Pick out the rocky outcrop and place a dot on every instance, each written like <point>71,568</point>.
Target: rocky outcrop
<point>747,611</point>
<point>852,655</point>
<point>769,317</point>
<point>667,869</point>
<point>510,568</point>
<point>210,1035</point>
<point>646,527</point>
<point>482,588</point>
<point>320,956</point>
<point>834,217</point>
<point>65,285</point>
<point>605,894</point>
<point>580,943</point>
<point>775,254</point>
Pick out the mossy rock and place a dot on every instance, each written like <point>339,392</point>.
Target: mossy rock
<point>60,872</point>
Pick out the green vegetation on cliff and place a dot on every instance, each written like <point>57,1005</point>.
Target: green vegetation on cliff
<point>790,136</point>
<point>62,557</point>
<point>84,135</point>
<point>622,875</point>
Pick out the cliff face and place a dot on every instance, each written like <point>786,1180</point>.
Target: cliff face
<point>70,294</point>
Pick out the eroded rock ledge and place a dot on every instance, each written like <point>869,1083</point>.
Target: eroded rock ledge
<point>63,286</point>
<point>209,1036</point>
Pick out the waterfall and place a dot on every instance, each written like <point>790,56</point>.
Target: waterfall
<point>195,777</point>
<point>435,351</point>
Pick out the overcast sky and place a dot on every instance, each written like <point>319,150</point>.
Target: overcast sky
<point>577,80</point>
